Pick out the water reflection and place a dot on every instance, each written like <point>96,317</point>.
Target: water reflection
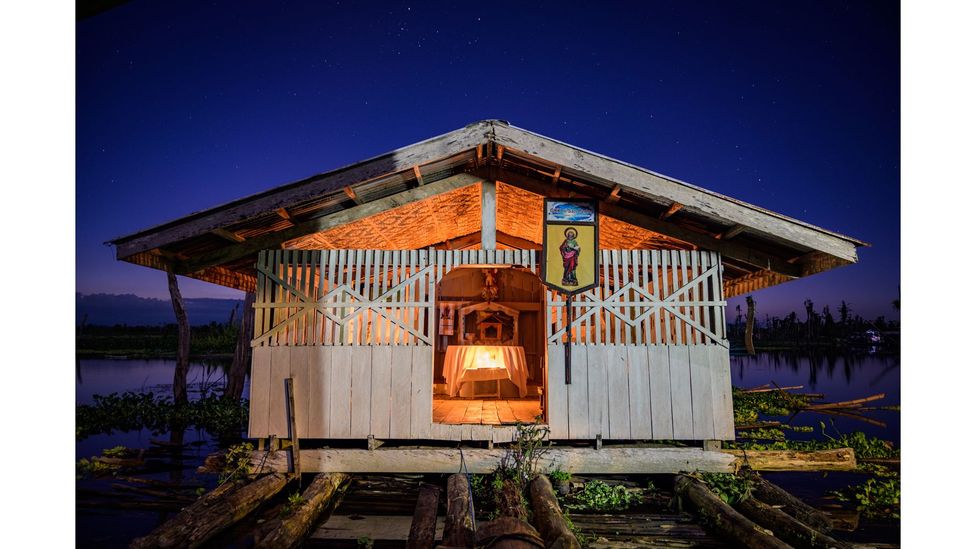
<point>839,377</point>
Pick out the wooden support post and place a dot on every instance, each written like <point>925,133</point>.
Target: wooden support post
<point>459,524</point>
<point>488,220</point>
<point>182,340</point>
<point>296,463</point>
<point>322,494</point>
<point>548,517</point>
<point>712,445</point>
<point>423,529</point>
<point>212,514</point>
<point>728,522</point>
<point>599,442</point>
<point>788,528</point>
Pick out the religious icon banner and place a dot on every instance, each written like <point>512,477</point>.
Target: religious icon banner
<point>570,245</point>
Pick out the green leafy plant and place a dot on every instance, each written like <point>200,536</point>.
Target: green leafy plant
<point>86,468</point>
<point>237,462</point>
<point>597,495</point>
<point>521,459</point>
<point>133,411</point>
<point>874,498</point>
<point>293,502</point>
<point>117,452</point>
<point>365,542</point>
<point>558,475</point>
<point>730,488</point>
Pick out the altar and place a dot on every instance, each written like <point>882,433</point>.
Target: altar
<point>472,363</point>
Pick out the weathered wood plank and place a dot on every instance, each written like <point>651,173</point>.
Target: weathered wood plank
<point>703,421</point>
<point>639,393</point>
<point>260,392</point>
<point>618,372</point>
<point>659,371</point>
<point>722,414</point>
<point>277,407</point>
<point>319,393</point>
<point>299,367</point>
<point>340,389</point>
<point>608,460</point>
<point>401,372</point>
<point>380,414</point>
<point>681,407</point>
<point>557,408</point>
<point>577,399</point>
<point>422,387</point>
<point>361,392</point>
<point>597,393</point>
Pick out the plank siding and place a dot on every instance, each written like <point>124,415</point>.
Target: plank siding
<point>355,330</point>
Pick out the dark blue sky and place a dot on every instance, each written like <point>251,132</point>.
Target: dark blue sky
<point>793,106</point>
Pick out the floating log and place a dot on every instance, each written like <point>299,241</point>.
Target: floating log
<point>548,517</point>
<point>788,528</point>
<point>324,490</point>
<point>840,459</point>
<point>768,389</point>
<point>845,404</point>
<point>728,522</point>
<point>508,533</point>
<point>423,529</point>
<point>771,494</point>
<point>211,514</point>
<point>850,414</point>
<point>759,425</point>
<point>459,524</point>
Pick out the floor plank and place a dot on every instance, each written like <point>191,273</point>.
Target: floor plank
<point>485,411</point>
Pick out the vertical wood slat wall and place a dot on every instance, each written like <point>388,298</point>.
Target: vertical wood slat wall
<point>647,297</point>
<point>357,297</point>
<point>355,328</point>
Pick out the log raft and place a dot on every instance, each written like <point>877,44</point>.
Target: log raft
<point>212,514</point>
<point>321,494</point>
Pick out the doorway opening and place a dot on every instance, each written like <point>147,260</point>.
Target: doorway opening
<point>489,351</point>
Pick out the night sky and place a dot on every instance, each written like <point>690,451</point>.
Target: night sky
<point>793,106</point>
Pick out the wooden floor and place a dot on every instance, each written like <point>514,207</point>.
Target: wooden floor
<point>486,411</point>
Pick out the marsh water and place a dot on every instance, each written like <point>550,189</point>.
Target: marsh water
<point>838,377</point>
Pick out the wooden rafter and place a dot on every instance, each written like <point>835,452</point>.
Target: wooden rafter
<point>418,175</point>
<point>673,209</point>
<point>351,193</point>
<point>224,233</point>
<point>614,194</point>
<point>283,213</point>
<point>732,232</point>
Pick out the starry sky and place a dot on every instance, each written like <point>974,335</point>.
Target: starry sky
<point>793,106</point>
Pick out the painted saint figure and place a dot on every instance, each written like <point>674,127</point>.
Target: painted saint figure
<point>570,251</point>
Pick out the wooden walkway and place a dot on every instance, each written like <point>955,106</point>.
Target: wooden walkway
<point>486,411</point>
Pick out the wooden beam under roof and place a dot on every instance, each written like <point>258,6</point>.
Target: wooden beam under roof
<point>418,175</point>
<point>732,232</point>
<point>351,193</point>
<point>516,242</point>
<point>614,194</point>
<point>224,233</point>
<point>274,240</point>
<point>283,213</point>
<point>673,209</point>
<point>734,250</point>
